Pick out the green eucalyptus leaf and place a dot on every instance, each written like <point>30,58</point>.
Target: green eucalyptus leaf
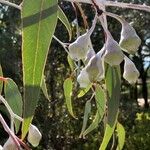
<point>87,111</point>
<point>113,83</point>
<point>121,136</point>
<point>14,99</point>
<point>93,125</point>
<point>68,86</point>
<point>39,19</point>
<point>1,82</point>
<point>84,91</point>
<point>101,102</point>
<point>65,21</point>
<point>71,63</point>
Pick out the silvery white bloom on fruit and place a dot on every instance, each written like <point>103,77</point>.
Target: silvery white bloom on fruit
<point>90,53</point>
<point>79,48</point>
<point>10,145</point>
<point>129,40</point>
<point>93,71</point>
<point>83,78</point>
<point>1,148</point>
<point>34,136</point>
<point>131,73</point>
<point>113,53</point>
<point>95,68</point>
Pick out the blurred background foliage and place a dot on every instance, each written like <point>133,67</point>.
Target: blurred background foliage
<point>60,131</point>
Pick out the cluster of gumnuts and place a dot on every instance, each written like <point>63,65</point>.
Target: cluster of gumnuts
<point>111,52</point>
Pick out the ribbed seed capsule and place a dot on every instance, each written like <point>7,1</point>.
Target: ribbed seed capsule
<point>113,53</point>
<point>129,40</point>
<point>10,145</point>
<point>79,48</point>
<point>131,73</point>
<point>34,136</point>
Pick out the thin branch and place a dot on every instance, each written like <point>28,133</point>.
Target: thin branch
<point>116,4</point>
<point>61,43</point>
<point>128,5</point>
<point>10,4</point>
<point>11,134</point>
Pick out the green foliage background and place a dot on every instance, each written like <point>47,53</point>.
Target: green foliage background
<point>59,129</point>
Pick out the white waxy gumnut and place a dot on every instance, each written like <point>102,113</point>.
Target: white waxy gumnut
<point>90,53</point>
<point>10,145</point>
<point>1,148</point>
<point>113,53</point>
<point>79,48</point>
<point>129,40</point>
<point>94,68</point>
<point>34,136</point>
<point>83,78</point>
<point>131,73</point>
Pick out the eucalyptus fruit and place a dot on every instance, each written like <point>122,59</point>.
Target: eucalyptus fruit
<point>113,53</point>
<point>83,78</point>
<point>80,47</point>
<point>129,40</point>
<point>131,73</point>
<point>34,136</point>
<point>94,68</point>
<point>10,145</point>
<point>89,54</point>
<point>92,72</point>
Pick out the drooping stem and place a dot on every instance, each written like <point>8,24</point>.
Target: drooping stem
<point>11,134</point>
<point>6,105</point>
<point>10,4</point>
<point>116,4</point>
<point>117,17</point>
<point>12,114</point>
<point>128,5</point>
<point>61,43</point>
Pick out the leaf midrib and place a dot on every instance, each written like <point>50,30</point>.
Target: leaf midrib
<point>37,43</point>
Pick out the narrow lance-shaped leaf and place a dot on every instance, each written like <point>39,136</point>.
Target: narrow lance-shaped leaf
<point>100,100</point>
<point>65,21</point>
<point>113,87</point>
<point>39,20</point>
<point>68,85</point>
<point>86,115</point>
<point>93,125</point>
<point>121,136</point>
<point>71,63</point>
<point>14,99</point>
<point>1,82</point>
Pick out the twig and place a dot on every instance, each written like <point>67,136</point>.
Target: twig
<point>128,5</point>
<point>10,4</point>
<point>116,4</point>
<point>11,134</point>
